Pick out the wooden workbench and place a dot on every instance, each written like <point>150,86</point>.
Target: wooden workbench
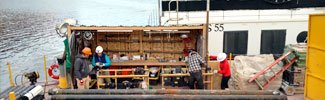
<point>147,63</point>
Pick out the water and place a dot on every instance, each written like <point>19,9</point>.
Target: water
<point>27,27</point>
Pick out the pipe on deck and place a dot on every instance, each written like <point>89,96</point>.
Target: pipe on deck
<point>167,97</point>
<point>15,88</point>
<point>18,90</point>
<point>23,92</point>
<point>56,91</point>
<point>6,91</point>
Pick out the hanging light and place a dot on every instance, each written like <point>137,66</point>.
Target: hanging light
<point>88,35</point>
<point>184,36</point>
<point>62,29</point>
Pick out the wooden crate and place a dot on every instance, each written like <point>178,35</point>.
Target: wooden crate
<point>217,78</point>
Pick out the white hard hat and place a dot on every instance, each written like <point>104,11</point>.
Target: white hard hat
<point>99,49</point>
<point>221,57</point>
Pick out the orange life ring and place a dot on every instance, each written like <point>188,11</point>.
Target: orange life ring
<point>54,68</point>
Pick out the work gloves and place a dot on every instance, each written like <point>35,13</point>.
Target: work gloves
<point>100,65</point>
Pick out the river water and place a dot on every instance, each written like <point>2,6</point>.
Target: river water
<point>27,28</point>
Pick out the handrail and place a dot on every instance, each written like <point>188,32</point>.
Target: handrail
<point>176,11</point>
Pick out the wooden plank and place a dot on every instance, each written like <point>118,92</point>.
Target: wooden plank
<point>178,75</point>
<point>69,31</point>
<point>149,63</point>
<point>141,42</point>
<point>121,40</point>
<point>204,43</point>
<point>217,78</point>
<point>122,50</point>
<point>163,41</point>
<point>120,76</point>
<point>135,27</point>
<point>152,51</point>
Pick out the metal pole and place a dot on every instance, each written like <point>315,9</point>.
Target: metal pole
<point>56,91</point>
<point>207,31</point>
<point>10,75</point>
<point>177,12</point>
<point>159,12</point>
<point>166,97</point>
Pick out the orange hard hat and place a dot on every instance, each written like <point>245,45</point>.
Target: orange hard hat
<point>86,51</point>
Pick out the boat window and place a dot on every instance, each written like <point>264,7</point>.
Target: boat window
<point>273,41</point>
<point>302,37</point>
<point>235,42</point>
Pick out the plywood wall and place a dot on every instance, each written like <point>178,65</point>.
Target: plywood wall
<point>165,46</point>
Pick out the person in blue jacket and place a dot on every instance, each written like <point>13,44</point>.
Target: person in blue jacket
<point>101,61</point>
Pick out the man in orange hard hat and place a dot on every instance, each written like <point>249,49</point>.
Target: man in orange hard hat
<point>82,69</point>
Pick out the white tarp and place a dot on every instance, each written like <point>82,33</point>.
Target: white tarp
<point>244,67</point>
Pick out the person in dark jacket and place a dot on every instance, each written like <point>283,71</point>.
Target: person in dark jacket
<point>82,69</point>
<point>224,70</point>
<point>101,61</point>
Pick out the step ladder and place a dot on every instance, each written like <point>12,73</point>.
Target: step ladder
<point>275,74</point>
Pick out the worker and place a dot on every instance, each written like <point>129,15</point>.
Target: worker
<point>224,70</point>
<point>82,69</point>
<point>101,61</point>
<point>195,61</point>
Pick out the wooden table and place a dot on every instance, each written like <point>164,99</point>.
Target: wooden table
<point>147,63</point>
<point>145,76</point>
<point>187,74</point>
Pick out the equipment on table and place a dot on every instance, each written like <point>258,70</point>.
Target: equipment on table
<point>139,71</point>
<point>167,80</point>
<point>153,72</point>
<point>178,81</point>
<point>154,75</point>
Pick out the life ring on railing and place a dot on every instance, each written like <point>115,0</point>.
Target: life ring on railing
<point>54,71</point>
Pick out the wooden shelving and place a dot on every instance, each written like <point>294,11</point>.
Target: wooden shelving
<point>173,52</point>
<point>122,50</point>
<point>163,41</point>
<point>121,40</point>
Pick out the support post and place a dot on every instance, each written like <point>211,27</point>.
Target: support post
<point>45,72</point>
<point>207,29</point>
<point>10,75</point>
<point>230,58</point>
<point>12,96</point>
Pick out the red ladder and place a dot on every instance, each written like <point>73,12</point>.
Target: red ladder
<point>276,74</point>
